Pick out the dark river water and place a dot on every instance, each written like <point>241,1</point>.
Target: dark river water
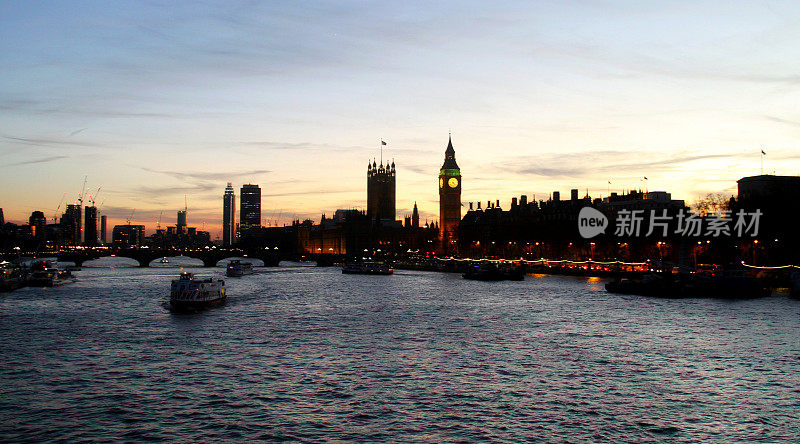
<point>309,354</point>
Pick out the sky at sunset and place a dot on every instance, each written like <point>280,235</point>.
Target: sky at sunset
<point>156,100</point>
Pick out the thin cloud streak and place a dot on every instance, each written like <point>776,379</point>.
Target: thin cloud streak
<point>581,165</point>
<point>208,176</point>
<point>48,142</point>
<point>314,192</point>
<point>784,121</point>
<point>37,161</point>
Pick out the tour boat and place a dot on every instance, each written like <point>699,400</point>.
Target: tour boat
<point>164,260</point>
<point>237,268</point>
<point>11,276</point>
<point>45,274</point>
<point>191,294</point>
<point>367,267</point>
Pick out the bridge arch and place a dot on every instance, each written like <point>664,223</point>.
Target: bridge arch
<point>173,261</point>
<point>210,256</point>
<point>109,261</point>
<point>253,260</point>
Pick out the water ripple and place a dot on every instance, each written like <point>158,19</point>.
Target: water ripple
<point>308,354</point>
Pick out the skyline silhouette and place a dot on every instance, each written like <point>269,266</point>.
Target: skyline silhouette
<point>156,103</point>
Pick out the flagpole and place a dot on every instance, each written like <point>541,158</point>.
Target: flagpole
<point>762,162</point>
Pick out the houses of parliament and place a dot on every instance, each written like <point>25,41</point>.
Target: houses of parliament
<point>381,200</point>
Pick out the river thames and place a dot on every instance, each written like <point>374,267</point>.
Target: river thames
<point>309,354</point>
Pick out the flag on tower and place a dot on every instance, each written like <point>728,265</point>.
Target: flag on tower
<point>382,142</point>
<point>645,177</point>
<point>762,152</point>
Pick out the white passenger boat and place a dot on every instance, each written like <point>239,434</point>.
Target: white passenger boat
<point>191,294</point>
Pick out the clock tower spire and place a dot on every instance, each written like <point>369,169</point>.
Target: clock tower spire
<point>449,200</point>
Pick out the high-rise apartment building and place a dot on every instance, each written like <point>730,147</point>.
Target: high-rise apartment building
<point>181,223</point>
<point>38,224</point>
<point>249,207</point>
<point>229,216</point>
<point>90,226</point>
<point>103,227</point>
<point>71,224</point>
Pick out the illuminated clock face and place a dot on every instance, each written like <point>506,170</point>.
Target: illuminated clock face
<point>441,183</point>
<point>453,182</point>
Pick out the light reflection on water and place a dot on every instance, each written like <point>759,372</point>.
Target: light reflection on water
<point>311,354</point>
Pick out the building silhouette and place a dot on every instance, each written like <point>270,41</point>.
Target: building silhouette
<point>103,228</point>
<point>90,227</point>
<point>181,223</point>
<point>549,228</point>
<point>249,207</point>
<point>126,236</point>
<point>354,233</point>
<point>228,216</point>
<point>71,224</point>
<point>449,201</point>
<point>778,240</point>
<point>37,222</point>
<point>415,217</point>
<point>381,191</point>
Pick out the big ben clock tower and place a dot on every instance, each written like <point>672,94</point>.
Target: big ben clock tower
<point>449,201</point>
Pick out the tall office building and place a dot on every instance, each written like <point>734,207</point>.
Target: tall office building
<point>229,216</point>
<point>90,226</point>
<point>71,224</point>
<point>103,226</point>
<point>449,200</point>
<point>381,191</point>
<point>37,222</point>
<point>181,223</point>
<point>2,219</point>
<point>249,207</point>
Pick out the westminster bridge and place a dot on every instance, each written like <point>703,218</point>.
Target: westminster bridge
<point>145,256</point>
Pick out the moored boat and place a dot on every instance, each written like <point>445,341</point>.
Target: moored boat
<point>12,276</point>
<point>795,285</point>
<point>237,268</point>
<point>192,294</point>
<point>723,285</point>
<point>647,285</point>
<point>726,285</point>
<point>489,271</point>
<point>367,267</point>
<point>45,274</point>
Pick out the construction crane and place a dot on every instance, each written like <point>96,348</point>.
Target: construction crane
<point>83,190</point>
<point>55,215</point>
<point>131,216</point>
<point>92,199</point>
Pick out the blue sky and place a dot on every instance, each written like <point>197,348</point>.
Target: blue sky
<point>157,100</point>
